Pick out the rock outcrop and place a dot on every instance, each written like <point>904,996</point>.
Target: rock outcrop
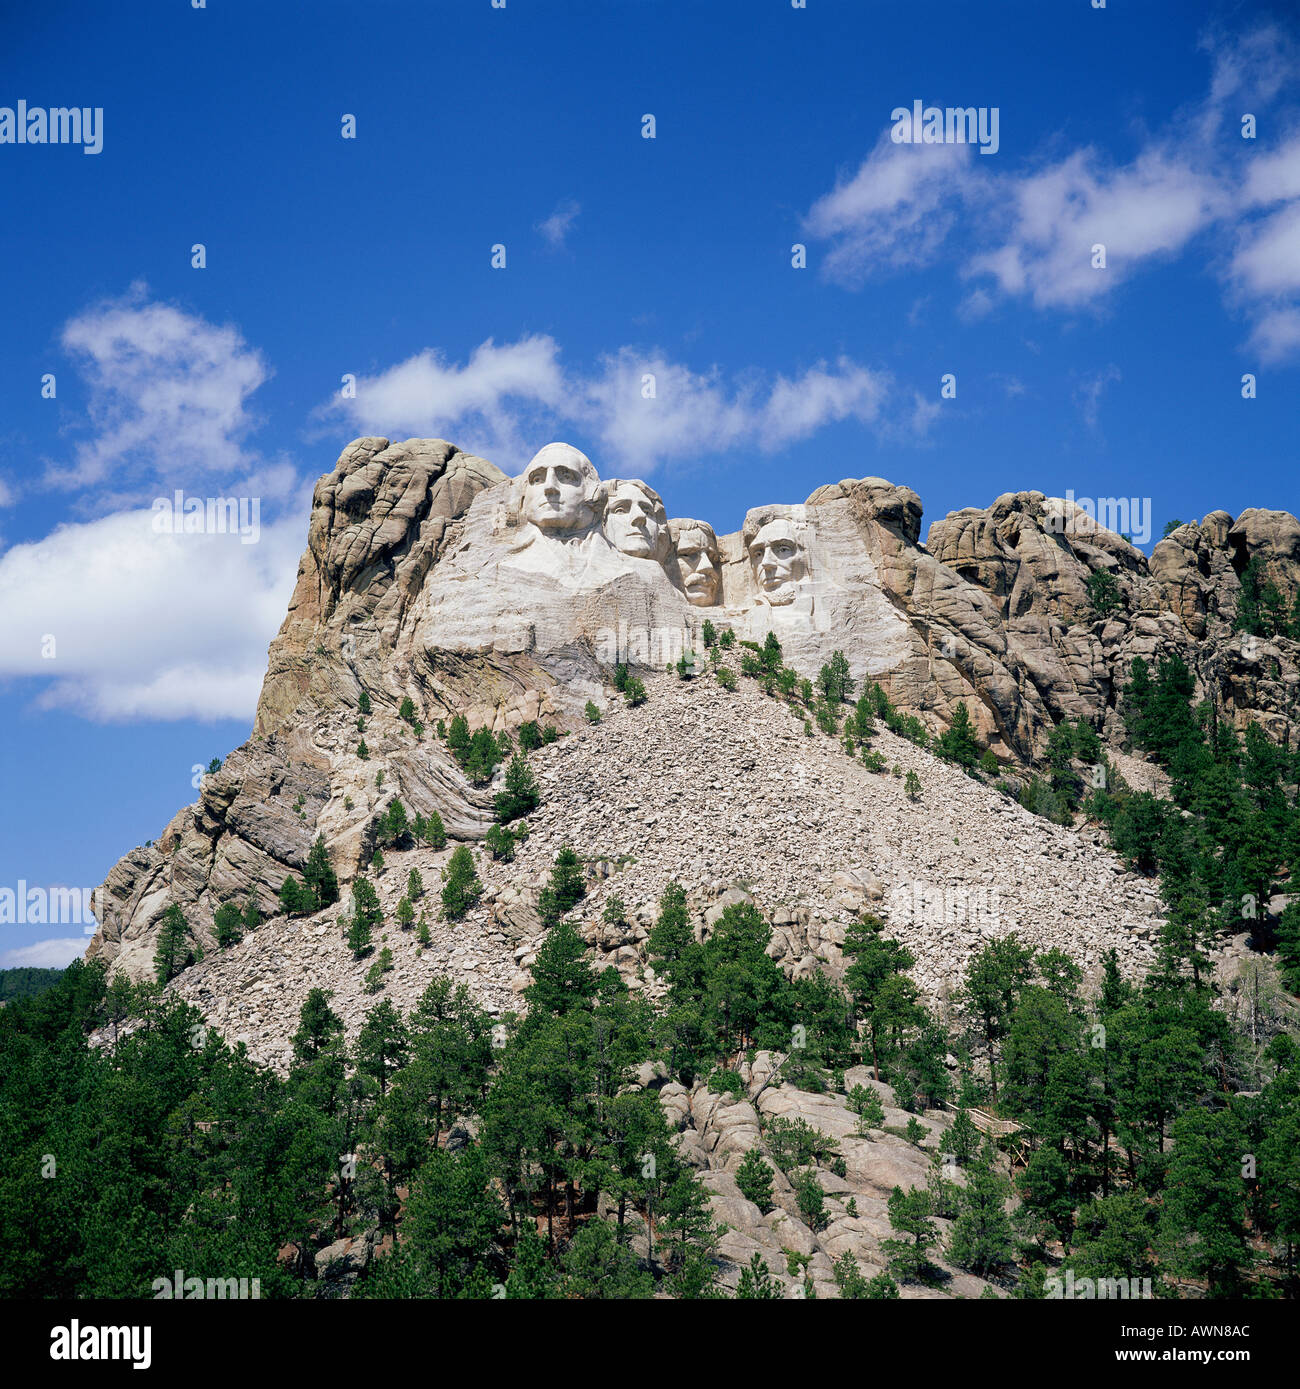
<point>431,576</point>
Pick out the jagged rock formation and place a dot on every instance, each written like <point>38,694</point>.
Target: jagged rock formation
<point>430,575</point>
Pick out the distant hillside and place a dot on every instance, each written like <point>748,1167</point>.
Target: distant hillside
<point>26,982</point>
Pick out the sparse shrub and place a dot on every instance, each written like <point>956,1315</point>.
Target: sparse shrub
<point>592,712</point>
<point>634,692</point>
<point>375,974</point>
<point>1104,593</point>
<point>726,677</point>
<point>865,1103</point>
<point>912,786</point>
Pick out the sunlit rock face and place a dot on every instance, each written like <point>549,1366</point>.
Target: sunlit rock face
<point>431,575</point>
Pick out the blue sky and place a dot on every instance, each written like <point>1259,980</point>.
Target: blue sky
<point>625,256</point>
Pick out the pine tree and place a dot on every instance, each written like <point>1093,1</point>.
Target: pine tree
<point>393,825</point>
<point>962,1139</point>
<point>520,796</point>
<point>462,887</point>
<point>756,1282</point>
<point>319,875</point>
<point>865,1103</point>
<point>994,979</point>
<point>562,977</point>
<point>981,1238</point>
<point>1104,592</point>
<point>770,657</point>
<point>359,935</point>
<point>877,981</point>
<point>295,899</point>
<point>414,885</point>
<point>912,786</point>
<point>500,843</point>
<point>909,1216</point>
<point>567,886</point>
<point>365,904</point>
<point>754,1178</point>
<point>458,737</point>
<point>957,743</point>
<point>176,944</point>
<point>405,913</point>
<point>228,923</point>
<point>319,1027</point>
<point>363,703</point>
<point>834,679</point>
<point>436,834</point>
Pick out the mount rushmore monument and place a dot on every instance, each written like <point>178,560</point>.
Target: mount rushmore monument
<point>430,575</point>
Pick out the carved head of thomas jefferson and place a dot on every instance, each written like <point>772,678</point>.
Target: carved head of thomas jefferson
<point>635,522</point>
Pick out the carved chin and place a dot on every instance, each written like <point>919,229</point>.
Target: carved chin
<point>780,594</point>
<point>547,520</point>
<point>702,594</point>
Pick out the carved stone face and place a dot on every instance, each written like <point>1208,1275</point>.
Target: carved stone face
<point>557,485</point>
<point>777,556</point>
<point>696,554</point>
<point>635,522</point>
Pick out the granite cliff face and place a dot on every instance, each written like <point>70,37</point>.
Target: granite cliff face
<point>432,576</point>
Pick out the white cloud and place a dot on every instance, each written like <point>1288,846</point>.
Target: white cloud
<point>1267,263</point>
<point>1029,233</point>
<point>147,625</point>
<point>167,393</point>
<point>1277,334</point>
<point>505,398</point>
<point>480,404</point>
<point>1088,393</point>
<point>45,954</point>
<point>895,212</point>
<point>1149,208</point>
<point>557,226</point>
